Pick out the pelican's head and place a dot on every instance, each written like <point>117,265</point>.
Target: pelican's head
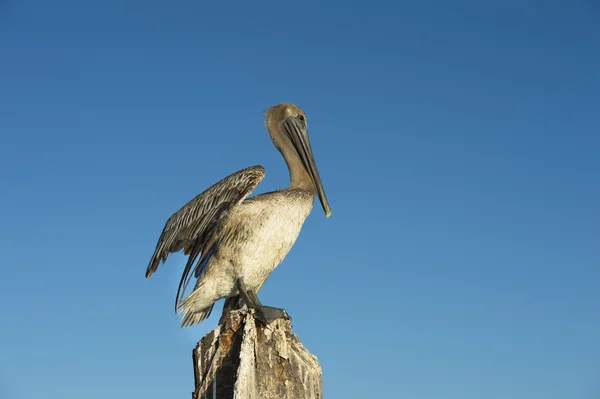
<point>287,126</point>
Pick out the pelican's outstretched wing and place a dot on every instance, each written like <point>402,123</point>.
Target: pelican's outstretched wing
<point>194,227</point>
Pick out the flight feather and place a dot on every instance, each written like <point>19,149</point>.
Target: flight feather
<point>194,228</point>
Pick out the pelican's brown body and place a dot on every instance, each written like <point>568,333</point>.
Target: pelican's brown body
<point>239,241</point>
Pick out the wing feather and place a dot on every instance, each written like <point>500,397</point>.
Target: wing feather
<point>196,225</point>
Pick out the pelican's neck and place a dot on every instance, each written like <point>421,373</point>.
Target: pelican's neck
<point>299,177</point>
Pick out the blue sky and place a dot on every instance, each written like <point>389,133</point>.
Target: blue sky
<point>458,146</point>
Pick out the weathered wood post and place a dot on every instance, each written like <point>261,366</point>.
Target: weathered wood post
<point>243,359</point>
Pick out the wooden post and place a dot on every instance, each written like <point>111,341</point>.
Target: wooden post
<point>245,360</point>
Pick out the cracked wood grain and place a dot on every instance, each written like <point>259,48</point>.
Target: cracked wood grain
<point>245,360</point>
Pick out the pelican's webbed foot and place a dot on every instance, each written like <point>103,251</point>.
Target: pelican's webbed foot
<point>268,314</point>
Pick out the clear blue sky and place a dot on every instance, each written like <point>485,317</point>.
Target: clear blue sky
<point>459,147</point>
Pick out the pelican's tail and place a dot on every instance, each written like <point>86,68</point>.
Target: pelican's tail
<point>191,318</point>
<point>192,311</point>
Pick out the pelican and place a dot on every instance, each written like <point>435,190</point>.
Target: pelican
<point>233,243</point>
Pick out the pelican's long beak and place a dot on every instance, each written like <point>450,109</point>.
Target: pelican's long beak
<point>296,130</point>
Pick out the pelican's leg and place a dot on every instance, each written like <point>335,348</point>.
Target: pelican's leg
<point>266,314</point>
<point>244,292</point>
<point>231,303</point>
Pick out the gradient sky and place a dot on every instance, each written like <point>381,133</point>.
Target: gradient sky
<point>458,145</point>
